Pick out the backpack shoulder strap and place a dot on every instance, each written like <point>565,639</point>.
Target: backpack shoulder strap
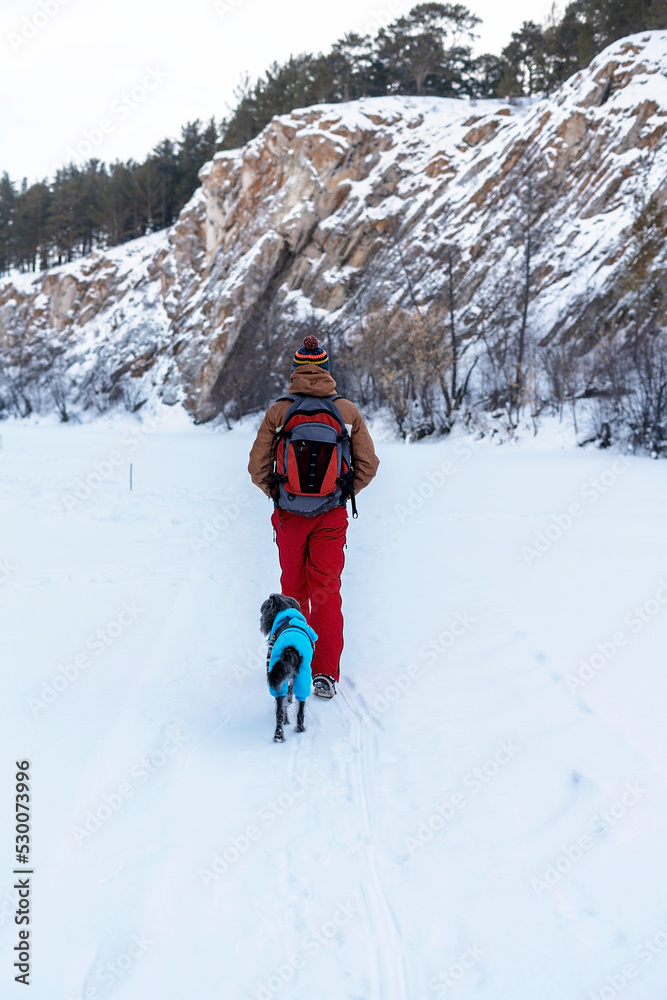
<point>287,399</point>
<point>337,408</point>
<point>330,404</point>
<point>295,399</point>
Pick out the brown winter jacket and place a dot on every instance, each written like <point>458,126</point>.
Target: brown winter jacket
<point>311,380</point>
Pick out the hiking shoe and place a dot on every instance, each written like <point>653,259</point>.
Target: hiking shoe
<point>324,686</point>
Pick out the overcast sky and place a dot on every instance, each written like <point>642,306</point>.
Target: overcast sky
<point>123,74</point>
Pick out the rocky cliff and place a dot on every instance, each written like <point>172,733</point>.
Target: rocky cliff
<point>297,223</point>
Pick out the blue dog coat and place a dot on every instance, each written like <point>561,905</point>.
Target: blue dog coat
<point>300,635</point>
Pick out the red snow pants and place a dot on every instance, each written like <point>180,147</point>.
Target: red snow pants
<point>312,560</point>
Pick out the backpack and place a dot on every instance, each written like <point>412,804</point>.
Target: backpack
<point>313,463</point>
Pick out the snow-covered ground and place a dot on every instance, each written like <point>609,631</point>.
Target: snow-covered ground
<point>481,811</point>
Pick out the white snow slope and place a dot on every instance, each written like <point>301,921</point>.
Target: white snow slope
<point>468,818</point>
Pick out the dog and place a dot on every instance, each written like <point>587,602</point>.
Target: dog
<point>290,653</point>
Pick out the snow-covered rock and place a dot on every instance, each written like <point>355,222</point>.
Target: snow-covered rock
<point>295,218</point>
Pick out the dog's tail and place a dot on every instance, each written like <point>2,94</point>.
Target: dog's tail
<point>286,668</point>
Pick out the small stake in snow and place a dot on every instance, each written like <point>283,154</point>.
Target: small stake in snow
<point>130,475</point>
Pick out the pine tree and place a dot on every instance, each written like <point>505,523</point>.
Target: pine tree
<point>486,72</point>
<point>30,226</point>
<point>588,26</point>
<point>353,65</point>
<point>165,158</point>
<point>525,57</point>
<point>7,228</point>
<point>613,19</point>
<point>65,223</point>
<point>197,144</point>
<point>117,204</point>
<point>413,48</point>
<point>243,124</point>
<point>569,43</point>
<point>90,210</point>
<point>656,17</point>
<point>145,189</point>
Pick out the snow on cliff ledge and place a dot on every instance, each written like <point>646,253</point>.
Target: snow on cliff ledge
<point>298,214</point>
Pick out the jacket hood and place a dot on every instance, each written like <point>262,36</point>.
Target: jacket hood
<point>298,619</point>
<point>312,380</point>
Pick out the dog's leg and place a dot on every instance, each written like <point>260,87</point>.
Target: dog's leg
<point>300,726</point>
<point>279,735</point>
<point>290,692</point>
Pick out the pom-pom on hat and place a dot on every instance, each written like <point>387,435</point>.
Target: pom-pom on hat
<point>311,354</point>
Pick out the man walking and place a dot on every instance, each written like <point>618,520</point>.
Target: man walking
<point>312,453</point>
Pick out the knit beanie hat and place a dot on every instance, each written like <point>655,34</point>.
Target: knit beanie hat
<point>311,354</point>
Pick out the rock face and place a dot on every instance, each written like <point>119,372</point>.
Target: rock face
<point>294,224</point>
